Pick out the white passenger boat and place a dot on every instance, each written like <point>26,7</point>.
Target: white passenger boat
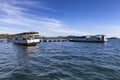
<point>90,38</point>
<point>27,38</point>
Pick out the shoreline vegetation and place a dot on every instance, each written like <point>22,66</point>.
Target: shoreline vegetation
<point>5,35</point>
<point>44,37</point>
<point>113,38</point>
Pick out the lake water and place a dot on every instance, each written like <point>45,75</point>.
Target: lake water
<point>60,61</point>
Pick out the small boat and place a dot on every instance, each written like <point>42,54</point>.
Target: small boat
<point>3,40</point>
<point>27,38</point>
<point>89,38</point>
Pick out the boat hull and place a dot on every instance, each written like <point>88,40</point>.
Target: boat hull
<point>89,41</point>
<point>27,42</point>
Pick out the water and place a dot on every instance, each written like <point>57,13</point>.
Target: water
<point>60,61</point>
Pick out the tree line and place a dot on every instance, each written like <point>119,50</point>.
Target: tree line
<point>5,35</point>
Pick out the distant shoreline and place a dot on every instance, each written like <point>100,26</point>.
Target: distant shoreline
<point>113,38</point>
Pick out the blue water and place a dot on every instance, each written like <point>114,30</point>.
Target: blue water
<point>60,61</point>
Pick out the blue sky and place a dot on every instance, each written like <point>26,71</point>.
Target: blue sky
<point>61,17</point>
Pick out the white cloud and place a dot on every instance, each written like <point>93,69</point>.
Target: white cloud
<point>110,30</point>
<point>10,30</point>
<point>10,13</point>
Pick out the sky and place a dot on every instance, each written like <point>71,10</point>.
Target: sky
<point>61,17</point>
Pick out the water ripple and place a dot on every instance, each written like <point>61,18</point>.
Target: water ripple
<point>60,61</point>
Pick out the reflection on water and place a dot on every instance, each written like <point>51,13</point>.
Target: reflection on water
<point>27,49</point>
<point>25,54</point>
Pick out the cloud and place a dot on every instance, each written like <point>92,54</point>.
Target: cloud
<point>10,30</point>
<point>110,30</point>
<point>15,13</point>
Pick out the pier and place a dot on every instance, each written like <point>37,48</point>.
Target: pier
<point>53,40</point>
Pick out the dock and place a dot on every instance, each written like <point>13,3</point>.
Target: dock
<point>53,40</point>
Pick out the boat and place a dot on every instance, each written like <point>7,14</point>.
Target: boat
<point>89,38</point>
<point>27,38</point>
<point>3,40</point>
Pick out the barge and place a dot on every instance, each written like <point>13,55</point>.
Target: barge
<point>89,38</point>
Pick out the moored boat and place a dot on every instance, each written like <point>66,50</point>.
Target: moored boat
<point>89,38</point>
<point>27,38</point>
<point>3,40</point>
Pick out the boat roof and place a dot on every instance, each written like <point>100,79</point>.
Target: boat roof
<point>79,36</point>
<point>27,33</point>
<point>100,35</point>
<point>87,36</point>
